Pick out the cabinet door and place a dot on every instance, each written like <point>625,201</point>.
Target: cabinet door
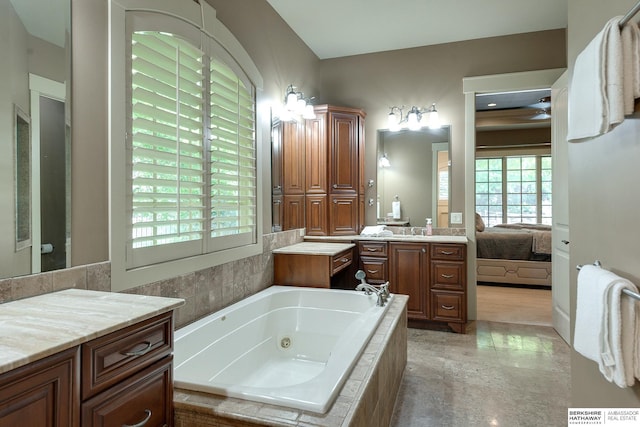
<point>361,152</point>
<point>44,393</point>
<point>293,215</point>
<point>316,153</point>
<point>317,211</point>
<point>147,398</point>
<point>276,157</point>
<point>277,213</point>
<point>292,159</point>
<point>343,216</point>
<point>408,274</point>
<point>343,145</point>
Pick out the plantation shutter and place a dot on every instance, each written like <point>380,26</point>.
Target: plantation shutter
<point>233,157</point>
<point>192,172</point>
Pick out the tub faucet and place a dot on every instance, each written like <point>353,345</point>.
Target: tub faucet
<point>382,291</point>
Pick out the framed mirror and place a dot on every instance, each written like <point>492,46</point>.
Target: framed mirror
<point>35,131</point>
<point>414,166</point>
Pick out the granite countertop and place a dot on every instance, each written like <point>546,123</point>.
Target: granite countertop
<point>37,327</point>
<point>394,238</point>
<point>315,248</point>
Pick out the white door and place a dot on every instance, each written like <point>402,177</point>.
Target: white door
<point>560,231</point>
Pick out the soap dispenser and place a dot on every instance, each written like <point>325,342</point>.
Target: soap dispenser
<point>395,208</point>
<point>429,227</point>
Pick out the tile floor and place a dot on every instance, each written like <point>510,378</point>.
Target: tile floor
<point>498,374</point>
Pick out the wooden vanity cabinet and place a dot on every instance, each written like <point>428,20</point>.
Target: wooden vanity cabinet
<point>42,393</point>
<point>448,285</point>
<point>374,261</point>
<point>434,275</point>
<point>121,379</point>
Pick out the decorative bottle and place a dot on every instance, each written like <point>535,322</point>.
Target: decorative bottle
<point>429,227</point>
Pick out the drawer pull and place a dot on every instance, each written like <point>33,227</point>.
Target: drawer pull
<point>447,276</point>
<point>341,260</point>
<point>447,307</point>
<point>446,253</point>
<point>139,352</point>
<point>372,271</point>
<point>141,423</point>
<point>373,249</point>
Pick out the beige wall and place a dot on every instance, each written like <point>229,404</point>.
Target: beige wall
<point>424,75</point>
<point>604,201</point>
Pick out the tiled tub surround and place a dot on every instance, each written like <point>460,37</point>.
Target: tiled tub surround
<point>37,327</point>
<point>366,399</point>
<point>204,291</point>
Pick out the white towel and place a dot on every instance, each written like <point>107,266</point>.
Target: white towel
<point>596,102</point>
<point>605,327</point>
<point>631,62</point>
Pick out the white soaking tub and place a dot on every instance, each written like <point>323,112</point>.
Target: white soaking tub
<point>287,346</point>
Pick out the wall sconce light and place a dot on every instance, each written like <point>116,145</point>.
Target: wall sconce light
<point>296,105</point>
<point>413,118</point>
<point>384,161</point>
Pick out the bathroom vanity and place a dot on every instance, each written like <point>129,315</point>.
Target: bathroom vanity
<point>85,358</point>
<point>431,270</point>
<point>320,265</point>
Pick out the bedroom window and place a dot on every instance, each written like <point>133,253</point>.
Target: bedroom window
<point>514,189</point>
<point>192,172</point>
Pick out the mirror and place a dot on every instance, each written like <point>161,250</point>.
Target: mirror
<point>34,130</point>
<point>418,173</point>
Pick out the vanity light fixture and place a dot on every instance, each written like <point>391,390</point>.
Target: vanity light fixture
<point>384,161</point>
<point>413,118</point>
<point>296,105</point>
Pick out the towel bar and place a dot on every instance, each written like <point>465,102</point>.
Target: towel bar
<point>632,294</point>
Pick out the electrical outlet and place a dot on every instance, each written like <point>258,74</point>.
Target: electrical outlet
<point>456,217</point>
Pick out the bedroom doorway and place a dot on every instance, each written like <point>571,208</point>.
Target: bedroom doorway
<point>513,85</point>
<point>513,201</point>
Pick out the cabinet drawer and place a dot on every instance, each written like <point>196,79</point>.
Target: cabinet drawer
<point>375,269</point>
<point>147,395</point>
<point>341,261</point>
<point>109,359</point>
<point>448,306</point>
<point>372,248</point>
<point>448,275</point>
<point>451,252</point>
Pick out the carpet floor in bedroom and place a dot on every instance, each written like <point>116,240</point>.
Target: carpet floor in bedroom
<point>500,373</point>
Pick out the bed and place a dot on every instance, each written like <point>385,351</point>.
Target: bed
<point>517,254</point>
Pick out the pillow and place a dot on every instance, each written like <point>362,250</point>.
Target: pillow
<point>479,222</point>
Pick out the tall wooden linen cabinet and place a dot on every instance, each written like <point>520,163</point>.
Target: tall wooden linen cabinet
<point>318,172</point>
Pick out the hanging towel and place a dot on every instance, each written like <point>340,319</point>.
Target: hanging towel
<point>630,35</point>
<point>605,328</point>
<point>596,101</point>
<point>619,334</point>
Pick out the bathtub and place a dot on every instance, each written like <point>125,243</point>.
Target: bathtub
<point>286,346</point>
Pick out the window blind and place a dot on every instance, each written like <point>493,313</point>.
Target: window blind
<point>167,156</point>
<point>193,151</point>
<point>232,154</point>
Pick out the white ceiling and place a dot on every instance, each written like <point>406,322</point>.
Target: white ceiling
<point>335,28</point>
<point>45,19</point>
